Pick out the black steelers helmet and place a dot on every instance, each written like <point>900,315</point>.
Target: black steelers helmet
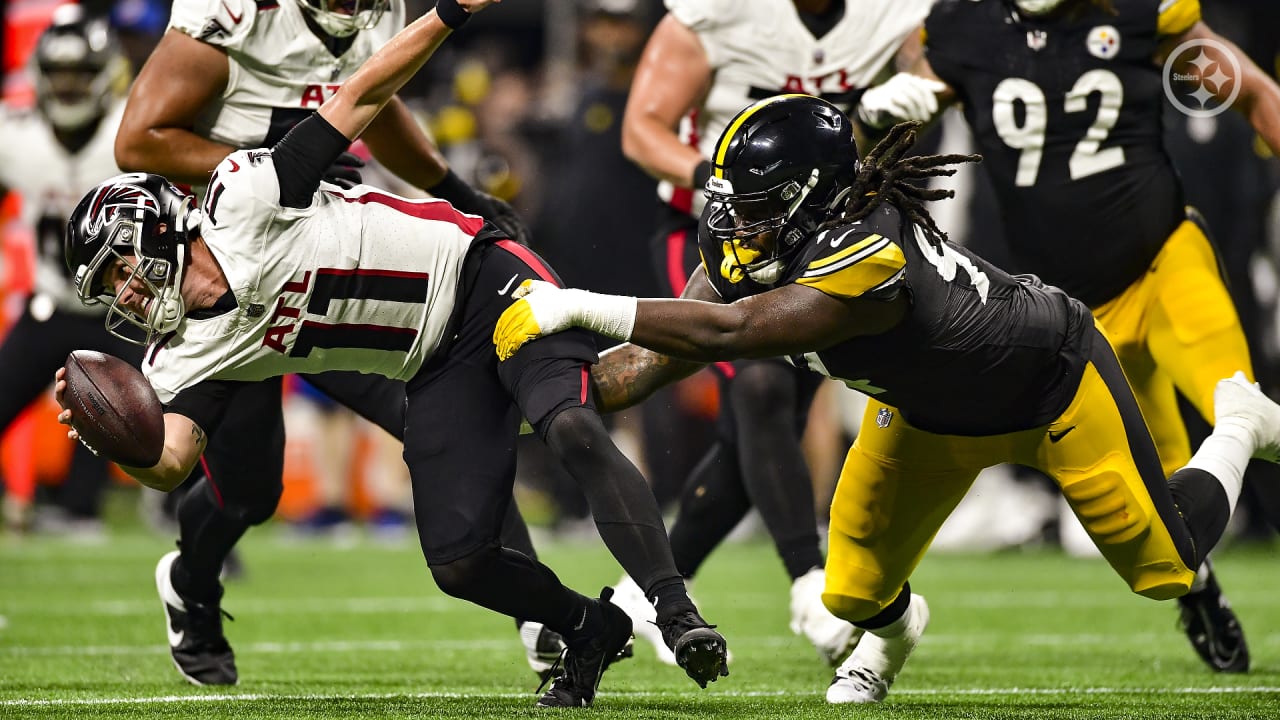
<point>783,165</point>
<point>144,221</point>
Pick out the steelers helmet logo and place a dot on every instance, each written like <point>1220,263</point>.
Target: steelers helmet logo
<point>1103,42</point>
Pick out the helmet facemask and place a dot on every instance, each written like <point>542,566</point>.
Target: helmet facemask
<point>344,18</point>
<point>790,211</point>
<point>153,267</point>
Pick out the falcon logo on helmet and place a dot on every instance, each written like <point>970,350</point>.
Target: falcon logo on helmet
<point>144,222</point>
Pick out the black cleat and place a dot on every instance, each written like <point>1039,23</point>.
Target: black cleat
<point>199,649</point>
<point>1213,629</point>
<point>698,648</point>
<point>584,662</point>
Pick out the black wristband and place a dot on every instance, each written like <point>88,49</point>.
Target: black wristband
<point>700,174</point>
<point>451,13</point>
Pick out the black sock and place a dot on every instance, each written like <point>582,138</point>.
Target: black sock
<point>670,597</point>
<point>622,505</point>
<point>766,400</point>
<point>513,584</point>
<point>1204,508</point>
<point>207,533</point>
<point>712,504</point>
<point>890,614</point>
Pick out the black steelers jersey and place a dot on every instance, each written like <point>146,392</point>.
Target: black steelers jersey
<point>1067,114</point>
<point>980,352</point>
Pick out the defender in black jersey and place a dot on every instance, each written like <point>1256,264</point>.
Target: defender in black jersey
<point>809,254</point>
<point>1065,99</point>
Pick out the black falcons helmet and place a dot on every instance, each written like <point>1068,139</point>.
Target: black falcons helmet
<point>144,221</point>
<point>79,68</point>
<point>783,165</point>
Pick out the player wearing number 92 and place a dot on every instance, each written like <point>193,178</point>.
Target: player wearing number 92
<point>808,253</point>
<point>279,272</point>
<point>1065,99</point>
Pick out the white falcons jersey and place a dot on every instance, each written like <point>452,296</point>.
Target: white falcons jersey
<point>359,280</point>
<point>280,71</point>
<point>761,48</point>
<point>51,180</point>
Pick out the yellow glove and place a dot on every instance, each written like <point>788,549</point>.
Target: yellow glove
<point>519,323</point>
<point>541,308</point>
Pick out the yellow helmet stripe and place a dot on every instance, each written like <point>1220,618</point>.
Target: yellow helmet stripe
<point>717,167</point>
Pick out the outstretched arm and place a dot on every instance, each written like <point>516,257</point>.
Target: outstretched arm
<point>365,93</point>
<point>789,320</point>
<point>628,374</point>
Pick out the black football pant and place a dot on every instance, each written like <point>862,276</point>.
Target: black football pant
<point>31,352</point>
<point>464,412</point>
<point>757,460</point>
<point>244,469</point>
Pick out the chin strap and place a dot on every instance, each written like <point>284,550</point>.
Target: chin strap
<point>167,310</point>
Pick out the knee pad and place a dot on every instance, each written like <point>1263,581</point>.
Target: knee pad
<point>459,578</point>
<point>764,390</point>
<point>575,428</point>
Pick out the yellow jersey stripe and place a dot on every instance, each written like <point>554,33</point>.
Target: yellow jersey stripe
<point>1177,16</point>
<point>717,165</point>
<point>859,274</point>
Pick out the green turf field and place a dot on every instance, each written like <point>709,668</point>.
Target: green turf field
<point>362,632</point>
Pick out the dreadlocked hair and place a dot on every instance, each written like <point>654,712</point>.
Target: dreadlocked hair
<point>885,176</point>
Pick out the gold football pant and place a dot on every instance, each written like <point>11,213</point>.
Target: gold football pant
<point>1176,327</point>
<point>899,483</point>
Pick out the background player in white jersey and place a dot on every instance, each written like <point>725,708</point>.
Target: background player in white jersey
<point>232,74</point>
<point>51,155</point>
<point>706,60</point>
<point>279,272</point>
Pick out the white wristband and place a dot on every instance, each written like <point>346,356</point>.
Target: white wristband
<point>613,316</point>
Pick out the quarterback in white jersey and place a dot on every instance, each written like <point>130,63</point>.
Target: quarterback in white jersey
<point>358,280</point>
<point>280,272</point>
<point>237,74</point>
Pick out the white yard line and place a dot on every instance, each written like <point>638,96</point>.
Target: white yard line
<point>749,641</point>
<point>255,697</point>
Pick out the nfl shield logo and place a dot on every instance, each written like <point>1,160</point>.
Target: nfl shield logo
<point>884,417</point>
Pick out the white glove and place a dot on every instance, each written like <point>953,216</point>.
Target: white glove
<point>902,97</point>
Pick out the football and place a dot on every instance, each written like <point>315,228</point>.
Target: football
<point>114,408</point>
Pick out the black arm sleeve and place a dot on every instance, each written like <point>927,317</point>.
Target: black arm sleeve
<point>205,403</point>
<point>303,155</point>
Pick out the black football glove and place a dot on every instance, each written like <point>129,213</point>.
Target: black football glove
<point>345,171</point>
<point>469,200</point>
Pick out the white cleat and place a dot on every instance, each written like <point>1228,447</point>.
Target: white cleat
<point>866,675</point>
<point>542,648</point>
<point>628,596</point>
<point>1240,402</point>
<point>832,637</point>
